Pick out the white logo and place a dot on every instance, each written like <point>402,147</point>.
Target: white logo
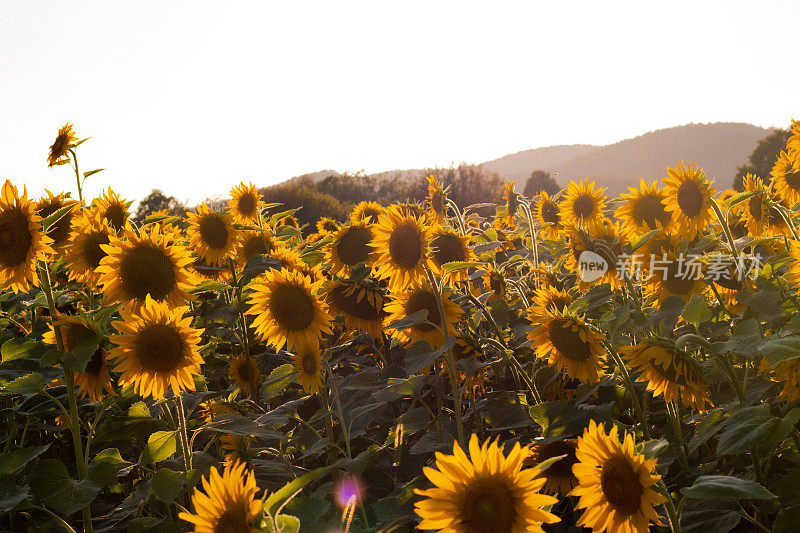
<point>591,266</point>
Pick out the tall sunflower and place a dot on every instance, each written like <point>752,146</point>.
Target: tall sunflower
<point>436,200</point>
<point>114,209</point>
<point>688,196</point>
<point>46,206</point>
<point>361,303</point>
<point>367,211</point>
<point>245,204</point>
<point>61,145</point>
<point>156,349</point>
<point>559,476</point>
<point>401,241</point>
<point>148,264</point>
<point>307,360</point>
<point>786,176</point>
<point>242,370</point>
<point>643,210</point>
<point>228,504</point>
<point>254,243</point>
<point>569,345</point>
<point>547,214</point>
<point>422,296</point>
<point>211,234</point>
<point>447,246</point>
<point>22,241</point>
<point>352,245</point>
<point>287,309</point>
<point>582,204</point>
<point>84,251</point>
<point>489,492</point>
<point>615,484</point>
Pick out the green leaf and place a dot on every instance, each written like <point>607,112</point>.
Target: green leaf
<point>709,516</point>
<point>82,353</point>
<point>726,487</point>
<point>277,381</point>
<point>161,445</point>
<point>745,429</point>
<point>741,197</point>
<point>12,462</point>
<point>159,217</point>
<point>787,520</point>
<point>641,240</point>
<point>92,172</point>
<point>778,350</point>
<point>286,524</point>
<point>421,354</point>
<point>27,385</point>
<point>696,311</point>
<point>11,496</point>
<point>277,217</point>
<point>166,484</point>
<point>19,348</point>
<point>411,320</point>
<point>49,221</point>
<point>459,265</point>
<point>139,410</point>
<point>51,484</point>
<point>282,495</point>
<point>209,286</point>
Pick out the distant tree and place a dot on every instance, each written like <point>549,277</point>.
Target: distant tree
<point>469,184</point>
<point>313,204</point>
<point>763,158</point>
<point>538,182</point>
<point>349,188</point>
<point>158,201</point>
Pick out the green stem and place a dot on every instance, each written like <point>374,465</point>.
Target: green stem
<point>323,393</point>
<point>60,520</point>
<point>674,414</point>
<point>187,453</point>
<point>626,377</point>
<point>669,506</point>
<point>245,340</point>
<point>345,428</point>
<point>77,174</point>
<point>724,223</point>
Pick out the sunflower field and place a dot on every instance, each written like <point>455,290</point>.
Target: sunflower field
<point>559,363</point>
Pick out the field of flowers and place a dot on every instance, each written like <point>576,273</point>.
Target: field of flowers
<point>557,363</point>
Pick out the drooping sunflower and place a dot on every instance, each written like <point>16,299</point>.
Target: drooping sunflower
<point>548,298</point>
<point>22,241</point>
<point>466,347</point>
<point>582,204</point>
<point>255,243</point>
<point>447,246</point>
<point>422,296</point>
<point>547,213</point>
<point>368,212</point>
<point>244,370</point>
<point>327,226</point>
<point>674,274</point>
<point>786,176</point>
<point>228,504</point>
<point>361,303</point>
<point>688,196</point>
<point>114,209</point>
<point>245,204</point>
<point>211,234</point>
<point>489,492</point>
<point>436,200</point>
<point>787,373</point>
<point>352,245</point>
<point>149,264</point>
<point>46,206</point>
<point>401,240</point>
<point>60,146</point>
<point>615,484</point>
<point>203,271</point>
<point>287,309</point>
<point>643,210</point>
<point>569,345</point>
<point>494,281</point>
<point>559,476</point>
<point>290,221</point>
<point>156,349</point>
<point>307,360</point>
<point>84,251</point>
<point>511,203</point>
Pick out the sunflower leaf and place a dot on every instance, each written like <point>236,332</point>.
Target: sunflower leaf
<point>161,445</point>
<point>738,198</point>
<point>92,172</point>
<point>278,498</point>
<point>82,353</point>
<point>421,355</point>
<point>726,487</point>
<point>411,320</point>
<point>781,349</point>
<point>459,265</point>
<point>50,220</point>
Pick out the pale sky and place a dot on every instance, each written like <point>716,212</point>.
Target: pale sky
<point>193,96</point>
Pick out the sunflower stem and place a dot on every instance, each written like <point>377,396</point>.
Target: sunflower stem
<point>725,227</point>
<point>675,417</point>
<point>673,515</point>
<point>345,429</point>
<point>77,173</point>
<point>323,394</point>
<point>187,453</point>
<point>532,230</point>
<point>626,377</point>
<point>245,340</point>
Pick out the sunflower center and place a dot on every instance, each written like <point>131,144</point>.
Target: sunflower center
<point>350,304</point>
<point>675,282</point>
<point>370,215</point>
<point>649,209</point>
<point>233,521</point>
<point>95,364</point>
<point>292,307</point>
<point>448,248</point>
<point>562,467</point>
<point>146,269</point>
<point>690,198</point>
<point>550,213</point>
<point>793,179</point>
<point>568,342</point>
<point>92,253</point>
<point>405,245</point>
<point>116,215</point>
<point>244,371</point>
<point>160,348</point>
<point>329,225</point>
<point>583,207</point>
<point>559,303</point>
<point>621,485</point>
<point>423,299</point>
<point>354,247</point>
<point>246,205</point>
<point>309,364</point>
<point>488,506</point>
<point>60,230</point>
<point>255,245</point>
<point>213,231</point>
<point>754,205</point>
<point>15,237</point>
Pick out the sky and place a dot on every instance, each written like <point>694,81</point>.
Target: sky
<point>192,97</point>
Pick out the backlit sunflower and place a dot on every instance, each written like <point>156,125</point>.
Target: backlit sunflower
<point>511,203</point>
<point>548,298</point>
<point>793,274</point>
<point>569,345</point>
<point>244,371</point>
<point>643,210</point>
<point>368,212</point>
<point>668,372</point>
<point>290,221</point>
<point>674,274</point>
<point>421,296</point>
<point>229,503</point>
<point>793,144</point>
<point>488,492</point>
<point>113,208</point>
<point>494,281</point>
<point>156,349</point>
<point>786,176</point>
<point>547,213</point>
<point>582,204</point>
<point>559,476</point>
<point>466,347</point>
<point>245,204</point>
<point>401,240</point>
<point>787,373</point>
<point>148,264</point>
<point>291,260</point>
<point>84,251</point>
<point>254,243</point>
<point>760,218</point>
<point>361,303</point>
<point>352,245</point>
<point>604,240</point>
<point>60,146</point>
<point>287,309</point>
<point>46,206</point>
<point>326,226</point>
<point>211,234</point>
<point>22,241</point>
<point>615,484</point>
<point>436,200</point>
<point>307,360</point>
<point>447,246</point>
<point>688,196</point>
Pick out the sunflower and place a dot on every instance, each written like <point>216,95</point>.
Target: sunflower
<point>361,303</point>
<point>114,209</point>
<point>786,176</point>
<point>229,502</point>
<point>244,370</point>
<point>352,245</point>
<point>203,271</point>
<point>46,206</point>
<point>211,234</point>
<point>22,241</point>
<point>604,241</point>
<point>437,200</point>
<point>235,447</point>
<point>422,296</point>
<point>448,246</point>
<point>643,211</point>
<point>61,145</point>
<point>245,204</point>
<point>727,194</point>
<point>559,476</point>
<point>464,348</point>
<point>326,226</point>
<point>289,221</point>
<point>287,310</point>
<point>84,251</point>
<point>793,144</point>
<point>368,212</point>
<point>291,260</point>
<point>614,483</point>
<point>793,274</point>
<point>488,492</point>
<point>548,298</point>
<point>148,264</point>
<point>688,196</point>
<point>582,205</point>
<point>511,203</point>
<point>668,372</point>
<point>569,345</point>
<point>494,281</point>
<point>156,349</point>
<point>787,373</point>
<point>760,218</point>
<point>401,241</point>
<point>671,274</point>
<point>547,213</point>
<point>307,360</point>
<point>254,243</point>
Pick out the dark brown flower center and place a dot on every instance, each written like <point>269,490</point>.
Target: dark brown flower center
<point>568,342</point>
<point>690,198</point>
<point>15,237</point>
<point>488,506</point>
<point>550,213</point>
<point>233,521</point>
<point>370,215</point>
<point>562,467</point>
<point>406,245</point>
<point>424,299</point>
<point>583,207</point>
<point>160,348</point>
<point>146,269</point>
<point>247,205</point>
<point>213,232</point>
<point>353,247</point>
<point>497,284</point>
<point>755,205</point>
<point>255,244</point>
<point>621,485</point>
<point>244,371</point>
<point>309,364</point>
<point>116,216</point>
<point>292,307</point>
<point>448,248</point>
<point>351,305</point>
<point>95,364</point>
<point>648,209</point>
<point>793,179</point>
<point>72,335</point>
<point>676,282</point>
<point>91,251</point>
